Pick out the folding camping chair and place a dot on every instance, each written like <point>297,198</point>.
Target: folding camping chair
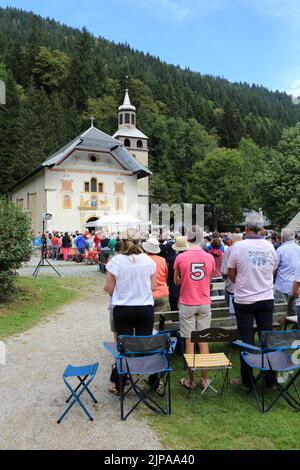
<point>82,373</point>
<point>271,357</point>
<point>138,356</point>
<point>213,361</point>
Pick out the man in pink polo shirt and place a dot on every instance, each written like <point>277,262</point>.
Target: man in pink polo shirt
<point>192,270</point>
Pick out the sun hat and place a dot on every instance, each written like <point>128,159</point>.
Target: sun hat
<point>151,246</point>
<point>181,244</point>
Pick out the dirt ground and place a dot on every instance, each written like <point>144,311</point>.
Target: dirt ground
<point>33,392</point>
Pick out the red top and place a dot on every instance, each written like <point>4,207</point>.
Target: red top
<point>195,267</point>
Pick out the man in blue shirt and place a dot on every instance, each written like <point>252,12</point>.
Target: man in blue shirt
<point>288,257</point>
<point>80,244</point>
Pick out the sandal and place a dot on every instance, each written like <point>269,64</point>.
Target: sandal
<point>187,384</point>
<point>112,388</point>
<point>204,383</point>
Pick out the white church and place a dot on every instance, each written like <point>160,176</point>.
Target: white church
<point>92,176</point>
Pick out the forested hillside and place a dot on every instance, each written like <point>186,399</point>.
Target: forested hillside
<point>211,141</point>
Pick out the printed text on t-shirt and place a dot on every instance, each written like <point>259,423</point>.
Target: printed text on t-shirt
<point>197,271</point>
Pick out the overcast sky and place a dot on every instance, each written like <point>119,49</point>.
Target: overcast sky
<point>257,41</point>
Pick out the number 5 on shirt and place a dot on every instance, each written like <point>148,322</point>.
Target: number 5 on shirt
<point>197,271</point>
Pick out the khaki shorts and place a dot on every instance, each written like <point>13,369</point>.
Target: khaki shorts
<point>193,318</point>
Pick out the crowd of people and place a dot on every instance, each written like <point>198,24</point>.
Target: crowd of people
<point>76,246</point>
<point>174,272</point>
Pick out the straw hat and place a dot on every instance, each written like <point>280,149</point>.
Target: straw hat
<point>181,244</point>
<point>151,246</point>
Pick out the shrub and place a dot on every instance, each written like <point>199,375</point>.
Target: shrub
<point>15,245</point>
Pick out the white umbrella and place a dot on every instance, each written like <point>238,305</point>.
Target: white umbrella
<point>124,220</point>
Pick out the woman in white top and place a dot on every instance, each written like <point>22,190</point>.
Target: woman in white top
<point>131,279</point>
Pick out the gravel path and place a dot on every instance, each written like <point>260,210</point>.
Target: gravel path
<point>65,268</point>
<point>33,393</point>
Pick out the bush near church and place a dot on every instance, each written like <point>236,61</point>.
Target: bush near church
<point>15,244</point>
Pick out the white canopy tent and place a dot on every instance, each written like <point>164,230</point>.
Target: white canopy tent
<point>117,222</point>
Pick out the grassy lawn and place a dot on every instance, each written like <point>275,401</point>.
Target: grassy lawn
<point>35,300</point>
<point>240,426</point>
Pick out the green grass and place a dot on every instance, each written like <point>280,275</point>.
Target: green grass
<point>35,300</point>
<point>239,426</point>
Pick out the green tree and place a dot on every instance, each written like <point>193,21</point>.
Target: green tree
<point>105,112</point>
<point>218,182</point>
<point>280,181</point>
<point>51,68</point>
<point>15,244</point>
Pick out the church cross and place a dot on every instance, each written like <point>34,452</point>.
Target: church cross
<point>92,121</point>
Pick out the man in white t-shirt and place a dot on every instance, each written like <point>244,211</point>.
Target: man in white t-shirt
<point>296,292</point>
<point>251,268</point>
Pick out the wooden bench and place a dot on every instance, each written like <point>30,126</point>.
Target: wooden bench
<point>220,318</point>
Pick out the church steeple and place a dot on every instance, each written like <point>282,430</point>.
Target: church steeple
<point>127,113</point>
<point>127,131</point>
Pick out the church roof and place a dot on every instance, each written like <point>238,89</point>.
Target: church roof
<point>95,139</point>
<point>295,223</point>
<point>130,132</point>
<point>126,103</point>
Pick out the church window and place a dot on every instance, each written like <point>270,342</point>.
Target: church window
<point>119,188</point>
<point>66,185</point>
<point>121,119</point>
<point>139,144</point>
<point>132,119</point>
<point>67,202</point>
<point>100,187</point>
<point>93,159</point>
<point>119,203</point>
<point>93,185</point>
<point>20,203</point>
<point>127,143</point>
<point>86,187</point>
<point>127,118</point>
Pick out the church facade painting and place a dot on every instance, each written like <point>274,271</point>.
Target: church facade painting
<point>92,176</point>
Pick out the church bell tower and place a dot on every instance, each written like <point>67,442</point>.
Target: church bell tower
<point>137,144</point>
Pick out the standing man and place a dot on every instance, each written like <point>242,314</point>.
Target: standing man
<point>229,286</point>
<point>288,257</point>
<point>251,268</point>
<point>192,271</point>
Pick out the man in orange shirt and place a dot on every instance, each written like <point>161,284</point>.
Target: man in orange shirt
<point>161,294</point>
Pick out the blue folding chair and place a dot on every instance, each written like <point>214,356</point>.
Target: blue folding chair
<point>273,356</point>
<point>82,373</point>
<point>138,356</point>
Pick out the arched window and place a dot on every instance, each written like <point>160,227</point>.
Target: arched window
<point>127,143</point>
<point>139,144</point>
<point>121,119</point>
<point>127,118</point>
<point>93,185</point>
<point>132,119</point>
<point>67,202</point>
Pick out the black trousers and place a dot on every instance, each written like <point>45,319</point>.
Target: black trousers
<point>134,320</point>
<point>173,303</point>
<point>138,320</point>
<point>262,313</point>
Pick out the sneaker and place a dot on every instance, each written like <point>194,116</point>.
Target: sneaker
<point>240,384</point>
